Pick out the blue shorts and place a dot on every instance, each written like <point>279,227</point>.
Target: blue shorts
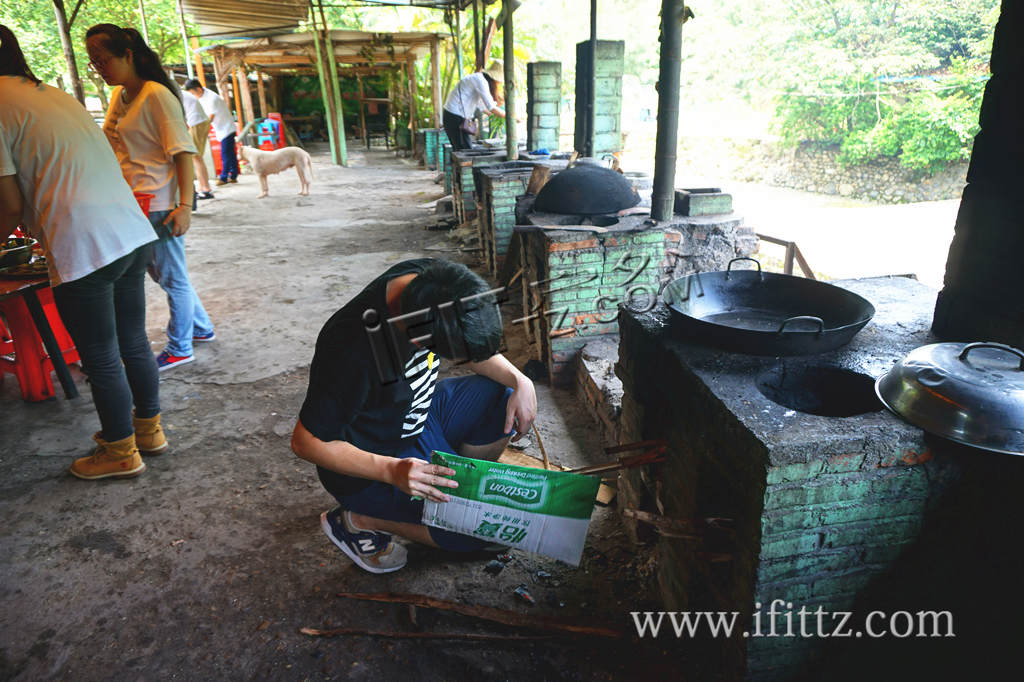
<point>466,410</point>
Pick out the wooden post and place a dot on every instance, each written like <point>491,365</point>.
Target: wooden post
<point>262,93</point>
<point>244,94</point>
<point>239,114</point>
<point>410,69</point>
<point>435,81</point>
<point>64,29</point>
<point>362,112</point>
<point>511,144</point>
<point>200,69</point>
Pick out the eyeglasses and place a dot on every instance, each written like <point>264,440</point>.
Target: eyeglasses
<point>98,64</point>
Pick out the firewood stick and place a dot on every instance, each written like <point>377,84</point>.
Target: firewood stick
<point>484,612</point>
<point>543,452</point>
<point>356,632</point>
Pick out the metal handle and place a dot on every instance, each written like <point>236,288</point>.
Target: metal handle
<point>988,344</point>
<point>728,268</point>
<point>803,318</point>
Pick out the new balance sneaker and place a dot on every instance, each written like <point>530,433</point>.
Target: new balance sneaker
<point>203,338</point>
<point>373,552</point>
<point>165,360</point>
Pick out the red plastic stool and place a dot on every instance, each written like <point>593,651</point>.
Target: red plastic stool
<point>30,364</point>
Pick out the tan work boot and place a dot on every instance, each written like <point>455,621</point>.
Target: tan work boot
<point>120,459</point>
<point>149,435</point>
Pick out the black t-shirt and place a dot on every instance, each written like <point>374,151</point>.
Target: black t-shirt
<point>367,386</point>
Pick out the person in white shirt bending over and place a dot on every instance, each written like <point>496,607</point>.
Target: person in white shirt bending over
<point>476,91</point>
<point>223,127</point>
<point>199,127</point>
<point>59,177</point>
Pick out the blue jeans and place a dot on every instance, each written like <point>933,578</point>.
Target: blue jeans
<point>467,410</point>
<point>105,314</point>
<point>168,269</point>
<point>228,158</point>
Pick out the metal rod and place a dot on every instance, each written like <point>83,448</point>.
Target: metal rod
<point>663,195</point>
<point>458,40</point>
<point>592,87</point>
<point>184,40</point>
<point>511,144</point>
<point>477,49</point>
<point>60,366</point>
<point>142,16</point>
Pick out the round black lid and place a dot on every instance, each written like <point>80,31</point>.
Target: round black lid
<point>586,189</point>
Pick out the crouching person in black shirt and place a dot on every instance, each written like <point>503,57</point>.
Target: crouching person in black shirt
<point>374,409</point>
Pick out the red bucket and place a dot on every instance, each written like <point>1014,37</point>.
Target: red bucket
<point>143,200</point>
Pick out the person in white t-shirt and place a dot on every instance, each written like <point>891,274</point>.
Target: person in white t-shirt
<point>59,177</point>
<point>199,128</point>
<point>476,91</point>
<point>145,125</point>
<point>223,127</point>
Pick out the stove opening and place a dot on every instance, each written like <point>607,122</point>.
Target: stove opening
<point>596,220</point>
<point>821,390</point>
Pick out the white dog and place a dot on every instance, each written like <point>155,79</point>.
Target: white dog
<point>267,163</point>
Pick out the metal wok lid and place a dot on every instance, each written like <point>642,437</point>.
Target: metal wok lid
<point>970,393</point>
<point>585,189</point>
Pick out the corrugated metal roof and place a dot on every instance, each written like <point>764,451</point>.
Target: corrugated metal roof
<point>253,18</point>
<point>245,18</point>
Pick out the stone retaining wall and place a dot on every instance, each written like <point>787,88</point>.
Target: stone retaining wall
<point>814,169</point>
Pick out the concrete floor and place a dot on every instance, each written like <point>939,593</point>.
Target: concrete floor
<point>207,565</point>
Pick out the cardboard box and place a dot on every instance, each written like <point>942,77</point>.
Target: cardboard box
<point>546,512</point>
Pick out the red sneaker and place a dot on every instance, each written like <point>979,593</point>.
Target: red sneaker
<point>165,360</point>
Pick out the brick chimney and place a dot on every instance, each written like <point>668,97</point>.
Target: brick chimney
<point>983,294</point>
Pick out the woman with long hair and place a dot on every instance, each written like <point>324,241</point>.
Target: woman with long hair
<point>478,90</point>
<point>60,179</point>
<point>145,125</point>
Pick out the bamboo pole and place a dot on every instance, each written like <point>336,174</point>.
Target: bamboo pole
<point>362,112</point>
<point>511,144</point>
<point>435,81</point>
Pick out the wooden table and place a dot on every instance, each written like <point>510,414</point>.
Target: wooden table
<point>26,288</point>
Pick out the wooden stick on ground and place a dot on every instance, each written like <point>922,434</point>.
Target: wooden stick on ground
<point>540,443</point>
<point>485,613</point>
<point>335,632</point>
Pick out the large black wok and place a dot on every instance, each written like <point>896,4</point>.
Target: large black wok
<point>763,313</point>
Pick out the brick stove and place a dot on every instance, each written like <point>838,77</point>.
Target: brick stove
<point>596,271</point>
<point>826,509</point>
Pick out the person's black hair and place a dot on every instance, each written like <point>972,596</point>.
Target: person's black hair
<point>147,64</point>
<point>12,59</point>
<point>461,316</point>
<point>192,84</point>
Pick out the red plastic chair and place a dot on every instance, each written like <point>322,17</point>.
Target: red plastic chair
<point>22,349</point>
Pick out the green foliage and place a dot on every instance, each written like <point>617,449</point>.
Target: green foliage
<point>886,79</point>
<point>35,26</point>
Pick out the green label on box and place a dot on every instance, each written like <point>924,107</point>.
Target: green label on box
<point>553,493</point>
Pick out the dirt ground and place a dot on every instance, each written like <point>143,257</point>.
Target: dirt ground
<point>208,565</point>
